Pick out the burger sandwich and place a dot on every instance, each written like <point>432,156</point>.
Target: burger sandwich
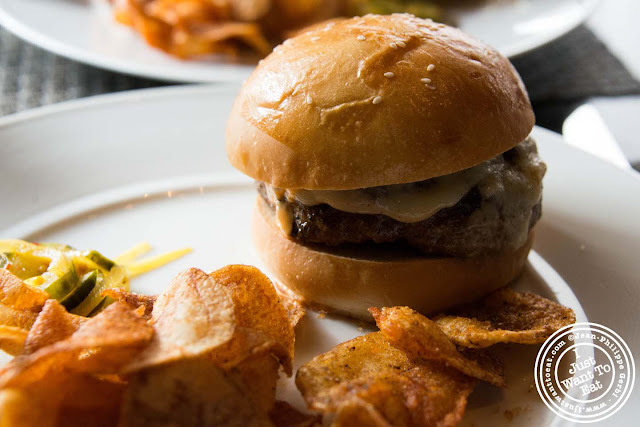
<point>393,165</point>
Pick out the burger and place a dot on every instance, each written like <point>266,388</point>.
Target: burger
<point>393,165</point>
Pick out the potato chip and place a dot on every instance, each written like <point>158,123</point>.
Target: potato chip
<point>102,344</point>
<point>18,295</point>
<point>191,392</point>
<point>63,399</point>
<point>421,338</point>
<point>22,319</point>
<point>295,310</point>
<point>244,344</point>
<point>12,339</point>
<point>131,299</point>
<point>284,415</point>
<point>257,375</point>
<point>358,412</point>
<point>401,390</point>
<point>19,307</point>
<point>17,408</point>
<point>191,28</point>
<point>505,316</point>
<point>258,308</point>
<point>191,318</point>
<point>53,324</point>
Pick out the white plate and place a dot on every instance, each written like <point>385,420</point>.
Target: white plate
<point>84,30</point>
<point>112,171</point>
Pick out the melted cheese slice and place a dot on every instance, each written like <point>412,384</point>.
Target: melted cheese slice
<point>408,203</point>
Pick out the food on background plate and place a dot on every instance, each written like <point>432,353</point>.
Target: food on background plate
<point>407,374</point>
<point>198,27</point>
<point>207,352</point>
<point>393,163</point>
<point>32,273</point>
<point>194,28</point>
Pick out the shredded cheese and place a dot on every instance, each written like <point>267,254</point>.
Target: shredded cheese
<point>143,266</point>
<point>128,256</point>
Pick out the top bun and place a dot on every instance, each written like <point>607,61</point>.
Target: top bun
<point>348,105</point>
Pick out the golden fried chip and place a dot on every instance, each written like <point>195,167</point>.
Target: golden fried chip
<point>17,409</point>
<point>18,295</point>
<point>19,307</point>
<point>22,319</point>
<point>53,324</point>
<point>191,318</point>
<point>12,339</point>
<point>102,344</point>
<point>190,392</point>
<point>250,358</point>
<point>505,316</point>
<point>358,412</point>
<point>191,28</point>
<point>284,415</point>
<point>295,310</point>
<point>257,375</point>
<point>63,399</point>
<point>402,390</point>
<point>258,308</point>
<point>421,338</point>
<point>131,299</point>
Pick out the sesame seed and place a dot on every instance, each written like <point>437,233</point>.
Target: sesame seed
<point>315,39</point>
<point>431,67</point>
<point>309,100</point>
<point>393,45</point>
<point>389,75</point>
<point>361,37</point>
<point>425,80</point>
<point>377,100</point>
<point>401,44</point>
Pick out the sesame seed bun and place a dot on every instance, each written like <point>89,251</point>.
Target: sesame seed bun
<point>349,283</point>
<point>375,100</point>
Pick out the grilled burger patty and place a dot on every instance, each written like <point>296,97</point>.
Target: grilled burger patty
<point>494,215</point>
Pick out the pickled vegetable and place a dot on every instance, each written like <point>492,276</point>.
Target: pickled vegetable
<point>116,278</point>
<point>64,285</point>
<point>80,293</point>
<point>100,260</point>
<point>77,278</point>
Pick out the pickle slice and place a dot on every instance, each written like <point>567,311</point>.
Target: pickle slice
<point>103,304</point>
<point>116,278</point>
<point>99,259</point>
<point>26,264</point>
<point>76,296</point>
<point>64,285</point>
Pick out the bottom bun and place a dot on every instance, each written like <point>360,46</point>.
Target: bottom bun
<point>342,282</point>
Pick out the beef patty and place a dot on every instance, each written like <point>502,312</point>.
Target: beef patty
<point>495,215</point>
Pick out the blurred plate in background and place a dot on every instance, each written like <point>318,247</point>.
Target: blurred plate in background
<point>84,30</point>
